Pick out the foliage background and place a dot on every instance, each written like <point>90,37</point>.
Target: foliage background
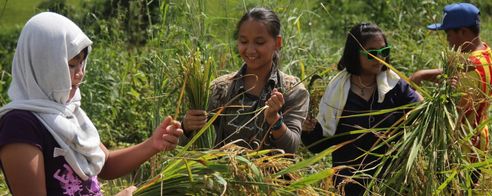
<point>133,79</point>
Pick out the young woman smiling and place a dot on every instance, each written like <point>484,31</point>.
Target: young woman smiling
<point>259,82</point>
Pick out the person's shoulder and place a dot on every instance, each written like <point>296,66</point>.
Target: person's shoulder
<point>20,126</point>
<point>19,116</point>
<point>481,56</point>
<point>290,81</point>
<point>223,80</point>
<point>220,86</point>
<point>20,119</point>
<point>401,85</point>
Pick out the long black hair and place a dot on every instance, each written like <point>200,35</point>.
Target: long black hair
<point>358,36</point>
<point>267,17</point>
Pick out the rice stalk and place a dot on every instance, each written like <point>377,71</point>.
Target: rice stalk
<point>316,91</point>
<point>316,87</point>
<point>233,170</point>
<point>198,74</point>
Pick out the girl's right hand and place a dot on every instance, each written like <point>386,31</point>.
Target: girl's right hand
<point>194,120</point>
<point>127,192</point>
<point>425,75</point>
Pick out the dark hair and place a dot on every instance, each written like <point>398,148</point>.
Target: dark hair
<point>267,17</point>
<point>86,52</point>
<point>82,54</point>
<point>475,29</point>
<point>358,36</point>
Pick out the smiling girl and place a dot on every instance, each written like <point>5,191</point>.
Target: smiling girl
<point>259,82</point>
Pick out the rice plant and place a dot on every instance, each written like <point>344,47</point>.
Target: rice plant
<point>428,156</point>
<point>198,73</point>
<point>234,170</point>
<point>316,87</point>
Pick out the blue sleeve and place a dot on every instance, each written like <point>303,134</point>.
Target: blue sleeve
<point>407,94</point>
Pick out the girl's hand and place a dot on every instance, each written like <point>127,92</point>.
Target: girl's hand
<point>194,120</point>
<point>127,192</point>
<point>454,80</point>
<point>165,136</point>
<point>274,104</point>
<point>309,124</point>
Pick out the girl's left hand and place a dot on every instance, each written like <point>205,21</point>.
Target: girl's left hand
<point>274,104</point>
<point>309,124</point>
<point>165,136</point>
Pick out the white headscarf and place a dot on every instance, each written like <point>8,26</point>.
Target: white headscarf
<point>41,84</point>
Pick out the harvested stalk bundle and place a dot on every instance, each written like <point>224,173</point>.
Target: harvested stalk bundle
<point>234,170</point>
<point>198,74</point>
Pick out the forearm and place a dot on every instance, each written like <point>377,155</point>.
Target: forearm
<point>123,161</point>
<point>289,140</point>
<point>276,134</point>
<point>415,79</point>
<point>425,74</point>
<point>288,137</point>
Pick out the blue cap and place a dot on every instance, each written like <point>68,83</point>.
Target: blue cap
<point>458,15</point>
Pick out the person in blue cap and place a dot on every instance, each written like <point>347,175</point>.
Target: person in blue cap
<point>461,22</point>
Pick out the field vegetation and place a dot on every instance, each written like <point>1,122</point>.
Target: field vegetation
<point>135,77</point>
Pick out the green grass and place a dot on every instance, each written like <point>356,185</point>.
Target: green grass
<point>3,186</point>
<point>17,12</point>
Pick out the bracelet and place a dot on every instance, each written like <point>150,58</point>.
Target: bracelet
<point>278,124</point>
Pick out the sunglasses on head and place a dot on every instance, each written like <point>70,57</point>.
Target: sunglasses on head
<point>383,52</point>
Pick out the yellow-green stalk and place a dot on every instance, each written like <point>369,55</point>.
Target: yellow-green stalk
<point>198,73</point>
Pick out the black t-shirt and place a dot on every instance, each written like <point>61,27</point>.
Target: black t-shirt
<point>19,126</point>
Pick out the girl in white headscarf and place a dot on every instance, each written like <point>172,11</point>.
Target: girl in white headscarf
<point>48,145</point>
